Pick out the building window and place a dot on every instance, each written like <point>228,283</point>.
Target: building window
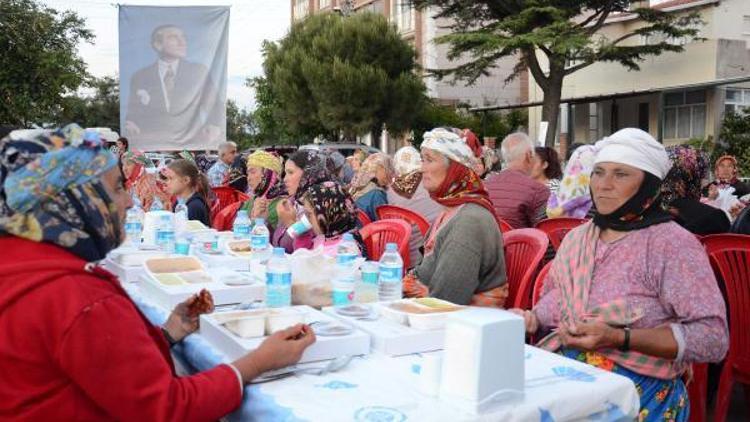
<point>746,25</point>
<point>301,8</point>
<point>685,115</point>
<point>322,4</point>
<point>737,100</point>
<point>403,15</point>
<point>593,122</point>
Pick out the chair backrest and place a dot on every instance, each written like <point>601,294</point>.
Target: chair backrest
<point>379,233</point>
<point>539,283</point>
<point>730,255</point>
<point>226,195</point>
<point>223,220</point>
<point>363,218</point>
<point>504,226</point>
<point>396,212</point>
<point>524,250</point>
<point>557,228</point>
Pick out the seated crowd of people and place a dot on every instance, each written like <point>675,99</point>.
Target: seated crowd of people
<point>619,294</point>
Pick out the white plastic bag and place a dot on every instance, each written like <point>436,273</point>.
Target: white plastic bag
<point>312,272</point>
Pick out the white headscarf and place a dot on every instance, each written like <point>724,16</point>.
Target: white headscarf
<point>635,148</point>
<point>451,145</point>
<point>407,160</point>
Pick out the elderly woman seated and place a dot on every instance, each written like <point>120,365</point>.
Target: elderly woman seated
<point>74,346</point>
<point>463,251</point>
<point>631,291</point>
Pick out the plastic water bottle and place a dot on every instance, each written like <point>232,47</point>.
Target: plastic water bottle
<point>278,280</point>
<point>180,216</point>
<point>260,235</point>
<point>344,281</point>
<point>165,236</point>
<point>157,205</point>
<point>241,226</point>
<point>134,226</point>
<point>391,274</point>
<point>182,243</point>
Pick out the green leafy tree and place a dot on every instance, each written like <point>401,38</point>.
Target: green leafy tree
<point>267,116</point>
<point>99,108</point>
<point>492,124</point>
<point>734,139</point>
<point>241,126</point>
<point>40,60</point>
<point>552,38</point>
<point>348,76</point>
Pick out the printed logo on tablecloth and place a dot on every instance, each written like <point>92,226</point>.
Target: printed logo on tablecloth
<point>379,414</point>
<point>336,385</point>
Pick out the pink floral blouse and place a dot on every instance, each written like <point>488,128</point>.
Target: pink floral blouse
<point>664,271</point>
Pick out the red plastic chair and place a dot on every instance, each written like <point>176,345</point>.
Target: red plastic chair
<point>539,283</point>
<point>504,226</point>
<point>697,389</point>
<point>524,250</point>
<point>730,254</point>
<point>226,195</point>
<point>396,212</point>
<point>224,219</point>
<point>379,233</point>
<point>557,228</point>
<point>363,218</point>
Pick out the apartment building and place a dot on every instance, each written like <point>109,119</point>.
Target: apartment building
<point>420,29</point>
<point>675,96</point>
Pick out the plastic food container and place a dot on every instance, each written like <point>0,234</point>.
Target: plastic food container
<point>277,320</point>
<point>421,314</point>
<point>177,271</point>
<point>239,248</point>
<point>245,324</point>
<point>137,258</point>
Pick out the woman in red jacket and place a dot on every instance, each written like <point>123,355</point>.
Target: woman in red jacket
<point>73,346</point>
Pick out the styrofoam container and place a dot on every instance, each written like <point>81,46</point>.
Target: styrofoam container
<point>281,319</point>
<point>233,245</point>
<point>431,319</point>
<point>245,324</point>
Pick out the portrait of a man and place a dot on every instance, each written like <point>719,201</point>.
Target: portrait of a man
<point>173,99</point>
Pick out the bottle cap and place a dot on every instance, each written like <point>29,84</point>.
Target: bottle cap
<point>391,247</point>
<point>260,221</point>
<point>278,251</point>
<point>242,212</point>
<point>348,237</point>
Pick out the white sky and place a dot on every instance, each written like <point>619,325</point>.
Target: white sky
<point>251,22</point>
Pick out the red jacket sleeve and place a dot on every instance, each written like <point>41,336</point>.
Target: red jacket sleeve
<point>108,354</point>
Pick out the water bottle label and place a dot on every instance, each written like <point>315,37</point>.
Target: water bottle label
<point>133,227</point>
<point>241,231</point>
<point>259,242</point>
<point>164,236</point>
<point>182,248</point>
<point>390,274</point>
<point>278,279</point>
<point>345,258</point>
<point>370,277</point>
<point>343,297</point>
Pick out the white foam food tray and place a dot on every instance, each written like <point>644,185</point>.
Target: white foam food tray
<point>224,260</point>
<point>324,348</point>
<point>127,263</point>
<point>391,337</point>
<point>168,296</point>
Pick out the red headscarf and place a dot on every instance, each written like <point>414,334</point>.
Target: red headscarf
<point>461,186</point>
<point>473,142</point>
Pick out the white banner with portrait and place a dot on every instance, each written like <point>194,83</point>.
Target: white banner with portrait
<point>173,76</point>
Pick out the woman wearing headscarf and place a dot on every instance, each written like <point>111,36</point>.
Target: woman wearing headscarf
<point>370,183</point>
<point>573,197</point>
<point>303,169</point>
<point>267,189</point>
<point>139,182</point>
<point>725,172</point>
<point>681,193</point>
<point>463,253</point>
<point>407,191</point>
<point>331,212</point>
<point>621,292</point>
<point>73,344</point>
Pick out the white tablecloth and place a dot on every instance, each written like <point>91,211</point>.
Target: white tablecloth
<point>382,388</point>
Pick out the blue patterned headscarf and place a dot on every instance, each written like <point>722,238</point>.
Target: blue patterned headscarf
<point>50,191</point>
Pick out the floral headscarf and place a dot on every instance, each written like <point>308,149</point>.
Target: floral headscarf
<point>56,196</point>
<point>366,178</point>
<point>731,158</point>
<point>573,199</point>
<point>461,185</point>
<point>139,162</point>
<point>271,186</point>
<point>689,168</point>
<point>314,171</point>
<point>408,166</point>
<point>335,211</point>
